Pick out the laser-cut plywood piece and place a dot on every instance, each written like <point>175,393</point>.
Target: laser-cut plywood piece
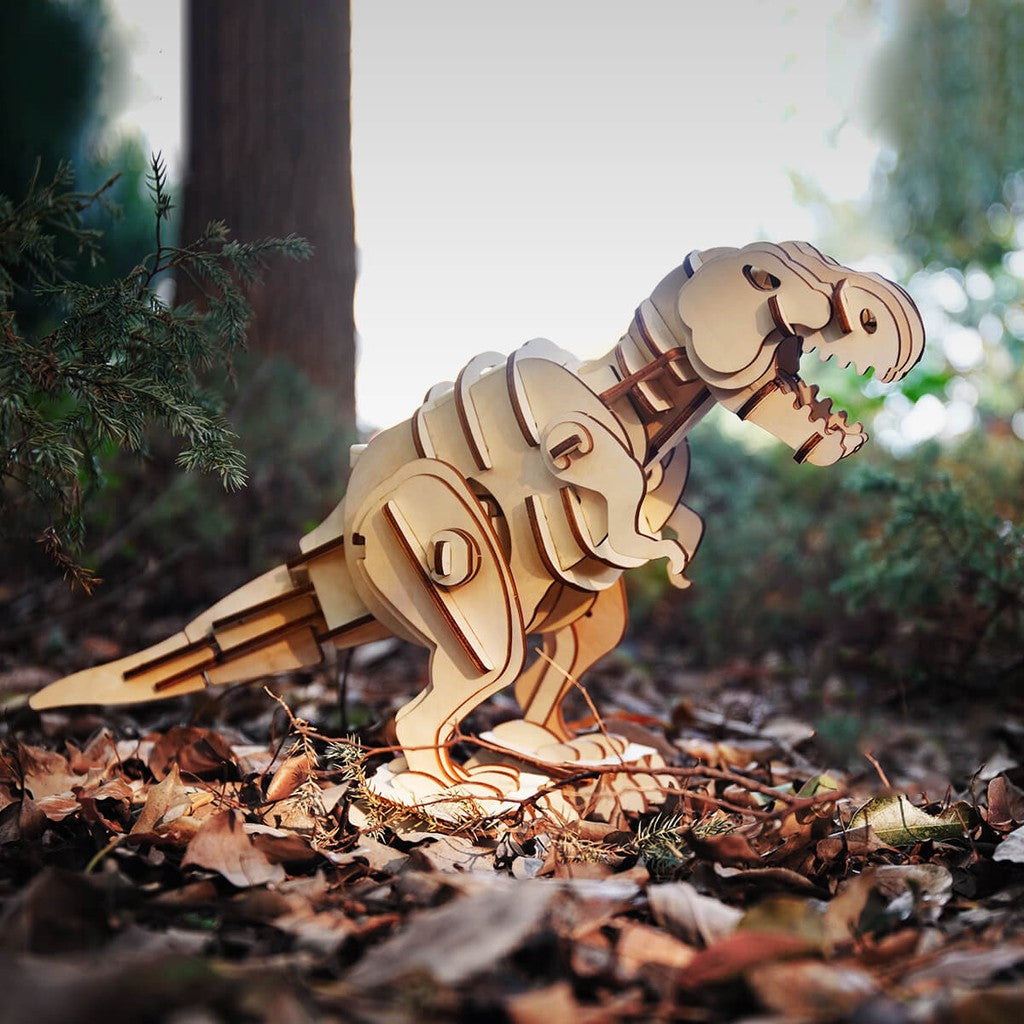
<point>513,499</point>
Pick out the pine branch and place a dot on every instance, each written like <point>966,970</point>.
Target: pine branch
<point>116,361</point>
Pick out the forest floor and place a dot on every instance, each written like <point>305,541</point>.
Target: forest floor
<point>809,852</point>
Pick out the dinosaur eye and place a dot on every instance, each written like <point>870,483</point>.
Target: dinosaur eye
<point>761,279</point>
<point>868,321</point>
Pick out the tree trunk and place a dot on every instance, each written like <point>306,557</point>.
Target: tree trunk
<point>269,153</point>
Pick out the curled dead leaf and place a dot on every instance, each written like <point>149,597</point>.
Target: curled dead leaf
<point>1005,804</point>
<point>895,820</point>
<point>291,774</point>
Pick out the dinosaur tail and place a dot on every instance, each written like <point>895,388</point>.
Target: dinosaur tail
<point>275,623</point>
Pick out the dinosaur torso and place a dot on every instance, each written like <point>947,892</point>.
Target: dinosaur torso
<point>515,428</point>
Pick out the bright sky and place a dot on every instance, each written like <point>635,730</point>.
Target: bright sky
<point>535,168</point>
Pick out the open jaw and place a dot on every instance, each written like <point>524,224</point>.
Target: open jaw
<point>808,396</point>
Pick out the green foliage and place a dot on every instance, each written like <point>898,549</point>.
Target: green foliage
<point>950,566</point>
<point>294,462</point>
<point>113,359</point>
<point>907,572</point>
<point>770,550</point>
<point>952,88</point>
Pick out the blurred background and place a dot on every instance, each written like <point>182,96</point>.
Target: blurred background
<point>472,176</point>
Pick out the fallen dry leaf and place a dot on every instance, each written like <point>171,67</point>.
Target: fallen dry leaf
<point>458,941</point>
<point>737,953</point>
<point>640,945</point>
<point>1011,848</point>
<point>897,821</point>
<point>221,845</point>
<point>198,753</point>
<point>1005,804</point>
<point>291,774</point>
<point>44,772</point>
<point>169,809</point>
<point>809,990</point>
<point>696,919</point>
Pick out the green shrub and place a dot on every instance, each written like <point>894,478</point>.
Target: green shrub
<point>902,569</point>
<point>109,361</point>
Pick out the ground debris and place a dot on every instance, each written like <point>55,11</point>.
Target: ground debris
<point>260,870</point>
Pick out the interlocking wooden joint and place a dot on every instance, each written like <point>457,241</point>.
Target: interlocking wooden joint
<point>513,500</point>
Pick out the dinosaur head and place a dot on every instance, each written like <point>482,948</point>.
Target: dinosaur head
<point>751,313</point>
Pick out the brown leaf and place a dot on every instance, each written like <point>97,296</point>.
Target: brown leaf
<point>1005,804</point>
<point>291,774</point>
<point>461,939</point>
<point>100,752</point>
<point>280,846</point>
<point>641,944</point>
<point>811,990</point>
<point>198,753</point>
<point>221,845</point>
<point>552,1005</point>
<point>766,880</point>
<point>45,772</point>
<point>57,807</point>
<point>456,853</point>
<point>727,848</point>
<point>694,918</point>
<point>297,812</point>
<point>739,952</point>
<point>582,869</point>
<point>378,856</point>
<point>166,814</point>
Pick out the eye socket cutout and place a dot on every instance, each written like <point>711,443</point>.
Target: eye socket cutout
<point>761,279</point>
<point>868,321</point>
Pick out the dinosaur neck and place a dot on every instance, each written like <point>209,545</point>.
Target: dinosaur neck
<point>647,381</point>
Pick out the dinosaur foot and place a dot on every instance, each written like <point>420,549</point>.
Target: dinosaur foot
<point>541,744</point>
<point>478,790</point>
<point>637,789</point>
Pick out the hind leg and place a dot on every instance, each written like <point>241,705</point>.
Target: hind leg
<point>428,564</point>
<point>595,626</point>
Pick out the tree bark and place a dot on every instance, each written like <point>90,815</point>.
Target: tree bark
<point>269,153</point>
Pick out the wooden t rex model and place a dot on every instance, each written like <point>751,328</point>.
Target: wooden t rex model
<point>512,501</point>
